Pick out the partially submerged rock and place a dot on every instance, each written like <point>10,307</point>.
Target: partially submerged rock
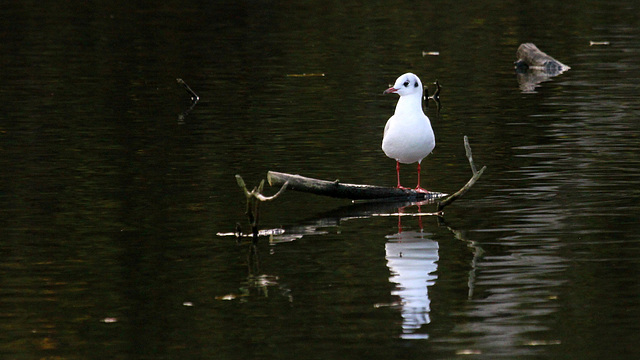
<point>530,57</point>
<point>534,67</point>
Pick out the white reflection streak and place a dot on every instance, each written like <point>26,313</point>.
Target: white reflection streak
<point>412,261</point>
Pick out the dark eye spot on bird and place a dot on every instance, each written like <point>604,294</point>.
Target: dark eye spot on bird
<point>406,83</point>
<point>416,84</point>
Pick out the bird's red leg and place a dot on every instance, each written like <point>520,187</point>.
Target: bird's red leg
<point>398,174</point>
<point>419,188</point>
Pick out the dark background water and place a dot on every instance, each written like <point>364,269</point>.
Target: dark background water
<point>111,202</point>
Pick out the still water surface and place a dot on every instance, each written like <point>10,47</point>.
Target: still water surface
<point>111,201</point>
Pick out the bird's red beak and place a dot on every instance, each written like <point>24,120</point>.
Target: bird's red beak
<point>390,90</point>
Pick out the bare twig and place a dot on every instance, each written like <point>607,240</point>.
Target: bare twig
<point>436,94</point>
<point>435,97</point>
<point>254,198</point>
<point>194,96</point>
<point>194,100</point>
<point>467,150</point>
<point>469,184</point>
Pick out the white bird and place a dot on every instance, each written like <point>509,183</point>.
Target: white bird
<point>408,136</point>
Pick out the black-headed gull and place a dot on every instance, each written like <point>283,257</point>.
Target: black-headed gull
<point>408,136</point>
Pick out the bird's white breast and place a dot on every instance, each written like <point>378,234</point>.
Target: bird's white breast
<point>408,137</point>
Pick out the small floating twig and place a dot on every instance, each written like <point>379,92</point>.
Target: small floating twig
<point>599,43</point>
<point>194,100</point>
<point>239,234</point>
<point>194,96</point>
<point>306,75</point>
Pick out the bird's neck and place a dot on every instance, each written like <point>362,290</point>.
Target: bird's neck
<point>410,103</point>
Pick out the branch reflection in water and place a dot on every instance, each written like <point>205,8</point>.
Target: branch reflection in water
<point>411,256</point>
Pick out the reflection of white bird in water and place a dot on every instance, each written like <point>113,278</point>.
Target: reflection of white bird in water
<point>412,260</point>
<point>408,136</point>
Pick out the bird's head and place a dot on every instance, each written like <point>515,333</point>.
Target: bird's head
<point>406,84</point>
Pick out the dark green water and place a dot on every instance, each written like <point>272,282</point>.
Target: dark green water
<point>111,203</point>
